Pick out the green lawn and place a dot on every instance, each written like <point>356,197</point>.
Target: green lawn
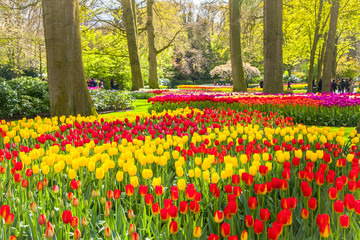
<point>141,106</point>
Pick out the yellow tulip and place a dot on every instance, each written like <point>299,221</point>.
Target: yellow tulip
<point>99,174</point>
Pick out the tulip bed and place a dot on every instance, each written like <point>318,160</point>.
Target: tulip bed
<point>182,174</point>
<point>325,109</point>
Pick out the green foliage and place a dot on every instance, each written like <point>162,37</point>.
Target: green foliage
<point>111,100</point>
<point>23,97</point>
<point>142,95</point>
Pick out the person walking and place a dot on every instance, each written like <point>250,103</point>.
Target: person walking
<point>320,85</point>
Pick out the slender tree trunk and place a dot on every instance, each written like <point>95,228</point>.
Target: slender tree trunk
<point>132,40</point>
<point>313,48</point>
<point>321,61</point>
<point>330,46</point>
<point>40,60</point>
<point>153,77</point>
<point>68,91</point>
<point>237,67</point>
<point>273,39</point>
<point>334,61</point>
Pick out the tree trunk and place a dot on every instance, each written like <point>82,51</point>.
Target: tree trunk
<point>132,40</point>
<point>237,67</point>
<point>330,46</point>
<point>313,48</point>
<point>273,55</point>
<point>68,91</point>
<point>40,61</point>
<point>321,61</point>
<point>153,77</point>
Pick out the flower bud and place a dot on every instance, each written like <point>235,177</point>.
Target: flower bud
<point>131,214</point>
<point>132,229</point>
<point>84,222</point>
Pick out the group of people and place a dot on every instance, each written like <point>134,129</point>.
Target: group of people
<point>337,86</point>
<point>342,85</point>
<point>93,82</point>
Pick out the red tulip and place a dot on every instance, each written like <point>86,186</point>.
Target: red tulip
<point>143,190</point>
<point>40,186</point>
<point>292,202</point>
<point>74,184</point>
<point>264,214</point>
<point>49,232</point>
<point>9,219</point>
<point>333,193</point>
<point>110,194</point>
<point>218,216</point>
<point>284,203</point>
<point>344,221</point>
<point>17,177</point>
<point>233,208</point>
<point>349,202</point>
<point>235,180</point>
<point>173,227</point>
<point>129,189</point>
<point>135,236</point>
<point>338,206</point>
<point>285,217</point>
<point>304,214</point>
<point>155,209</point>
<point>4,211</point>
<point>237,191</point>
<point>225,230</point>
<point>149,199</point>
<point>74,222</point>
<point>164,214</point>
<point>174,193</point>
<point>312,202</point>
<point>56,189</point>
<point>184,207</point>
<point>252,203</point>
<point>159,190</point>
<point>249,221</point>
<point>258,227</point>
<point>324,229</point>
<point>77,234</point>
<point>42,220</point>
<point>66,216</point>
<point>174,212</point>
<point>190,193</point>
<point>168,203</point>
<point>213,237</point>
<point>228,188</point>
<point>117,194</point>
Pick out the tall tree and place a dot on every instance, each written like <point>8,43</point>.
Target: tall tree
<point>273,55</point>
<point>313,47</point>
<point>235,47</point>
<point>153,77</point>
<point>128,7</point>
<point>153,52</point>
<point>68,91</point>
<point>330,52</point>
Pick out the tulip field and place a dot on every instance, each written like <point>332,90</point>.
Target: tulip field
<point>326,109</point>
<point>215,170</point>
